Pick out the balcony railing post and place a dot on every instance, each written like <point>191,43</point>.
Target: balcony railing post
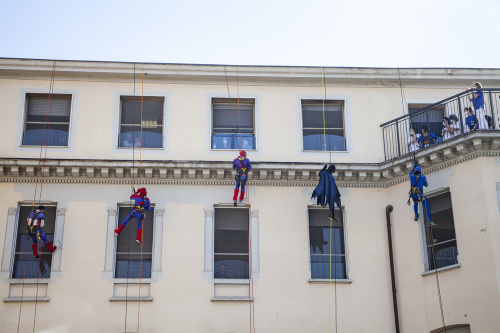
<point>383,137</point>
<point>491,108</point>
<point>397,137</point>
<point>428,125</point>
<point>460,114</point>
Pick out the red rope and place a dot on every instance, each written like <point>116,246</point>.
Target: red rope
<point>143,224</point>
<point>45,129</point>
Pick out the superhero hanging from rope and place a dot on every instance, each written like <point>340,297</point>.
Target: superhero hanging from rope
<point>141,204</point>
<point>35,225</point>
<point>418,181</point>
<point>242,166</point>
<point>327,192</point>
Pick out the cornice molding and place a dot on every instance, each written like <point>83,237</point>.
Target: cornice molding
<point>248,75</point>
<point>385,174</point>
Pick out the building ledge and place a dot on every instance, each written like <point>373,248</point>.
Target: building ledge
<point>131,299</point>
<point>164,172</point>
<point>442,269</point>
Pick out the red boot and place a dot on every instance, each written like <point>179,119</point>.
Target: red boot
<point>35,251</point>
<point>139,236</point>
<point>242,196</point>
<point>235,197</point>
<point>50,247</point>
<point>120,228</point>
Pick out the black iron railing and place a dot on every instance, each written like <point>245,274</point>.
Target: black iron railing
<point>396,133</point>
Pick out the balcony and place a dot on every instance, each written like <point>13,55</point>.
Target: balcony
<point>396,133</point>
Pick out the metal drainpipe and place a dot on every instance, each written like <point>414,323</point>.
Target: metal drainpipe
<point>388,211</point>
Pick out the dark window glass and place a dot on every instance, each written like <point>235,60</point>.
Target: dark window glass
<point>128,252</point>
<point>231,243</point>
<point>323,128</point>
<point>25,265</point>
<point>152,122</point>
<point>443,235</point>
<point>47,120</point>
<point>326,242</point>
<point>233,124</point>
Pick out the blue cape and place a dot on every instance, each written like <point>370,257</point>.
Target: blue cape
<point>327,192</point>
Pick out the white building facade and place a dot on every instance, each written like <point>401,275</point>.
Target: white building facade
<point>274,261</point>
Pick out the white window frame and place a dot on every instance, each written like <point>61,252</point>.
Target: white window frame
<point>21,119</point>
<point>346,249</point>
<point>346,110</point>
<point>208,128</point>
<point>117,122</point>
<point>423,239</point>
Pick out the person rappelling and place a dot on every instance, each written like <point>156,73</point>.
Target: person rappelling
<point>141,204</point>
<point>35,224</point>
<point>418,181</point>
<point>327,192</point>
<point>242,166</point>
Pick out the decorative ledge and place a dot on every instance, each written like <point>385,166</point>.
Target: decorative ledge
<point>385,174</point>
<point>323,281</point>
<point>447,268</point>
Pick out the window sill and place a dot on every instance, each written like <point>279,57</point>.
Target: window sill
<point>442,269</point>
<point>29,281</point>
<point>131,299</point>
<point>29,146</point>
<point>132,281</point>
<point>232,281</point>
<point>341,281</point>
<point>26,299</point>
<point>231,299</point>
<point>143,148</point>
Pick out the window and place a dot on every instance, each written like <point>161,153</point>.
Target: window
<point>42,129</point>
<point>326,245</point>
<point>130,122</point>
<point>23,258</point>
<point>443,235</point>
<point>432,119</point>
<point>231,243</point>
<point>233,123</point>
<point>316,128</point>
<point>128,252</point>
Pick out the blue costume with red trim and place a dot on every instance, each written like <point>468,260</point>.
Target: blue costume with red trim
<point>141,203</point>
<point>35,224</point>
<point>242,166</point>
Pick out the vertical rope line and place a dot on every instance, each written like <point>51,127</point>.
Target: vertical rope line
<point>239,118</point>
<point>144,216</point>
<point>324,122</point>
<point>36,295</point>
<point>231,107</point>
<point>437,278</point>
<point>330,282</point>
<point>335,281</point>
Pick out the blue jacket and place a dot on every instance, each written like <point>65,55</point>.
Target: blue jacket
<point>421,182</point>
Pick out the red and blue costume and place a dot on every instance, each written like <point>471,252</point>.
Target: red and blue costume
<point>35,224</point>
<point>242,166</point>
<point>141,204</point>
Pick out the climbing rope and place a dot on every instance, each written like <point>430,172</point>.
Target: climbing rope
<point>403,102</point>
<point>46,127</point>
<point>231,108</point>
<point>144,216</point>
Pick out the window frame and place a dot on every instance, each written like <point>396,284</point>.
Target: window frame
<point>24,116</point>
<point>233,102</point>
<point>123,96</point>
<point>346,247</point>
<point>329,101</point>
<point>127,205</point>
<point>423,234</point>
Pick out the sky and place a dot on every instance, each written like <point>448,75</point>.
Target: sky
<point>350,33</point>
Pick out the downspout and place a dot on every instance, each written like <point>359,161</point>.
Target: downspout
<point>388,211</point>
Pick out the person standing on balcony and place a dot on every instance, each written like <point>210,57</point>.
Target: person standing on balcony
<point>242,166</point>
<point>426,139</point>
<point>450,127</point>
<point>477,100</point>
<point>471,120</point>
<point>413,140</point>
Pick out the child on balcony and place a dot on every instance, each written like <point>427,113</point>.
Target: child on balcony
<point>477,100</point>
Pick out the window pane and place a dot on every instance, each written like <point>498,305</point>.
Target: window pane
<point>227,117</point>
<point>128,252</point>
<point>39,107</point>
<point>446,255</point>
<point>233,141</point>
<point>320,267</point>
<point>53,135</point>
<point>231,267</point>
<point>312,116</point>
<point>152,122</point>
<point>131,136</point>
<point>152,112</point>
<point>24,253</point>
<point>314,139</point>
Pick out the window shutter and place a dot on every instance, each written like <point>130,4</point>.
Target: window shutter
<point>320,218</point>
<point>130,232</point>
<point>231,218</point>
<point>440,202</point>
<point>227,116</point>
<point>39,106</point>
